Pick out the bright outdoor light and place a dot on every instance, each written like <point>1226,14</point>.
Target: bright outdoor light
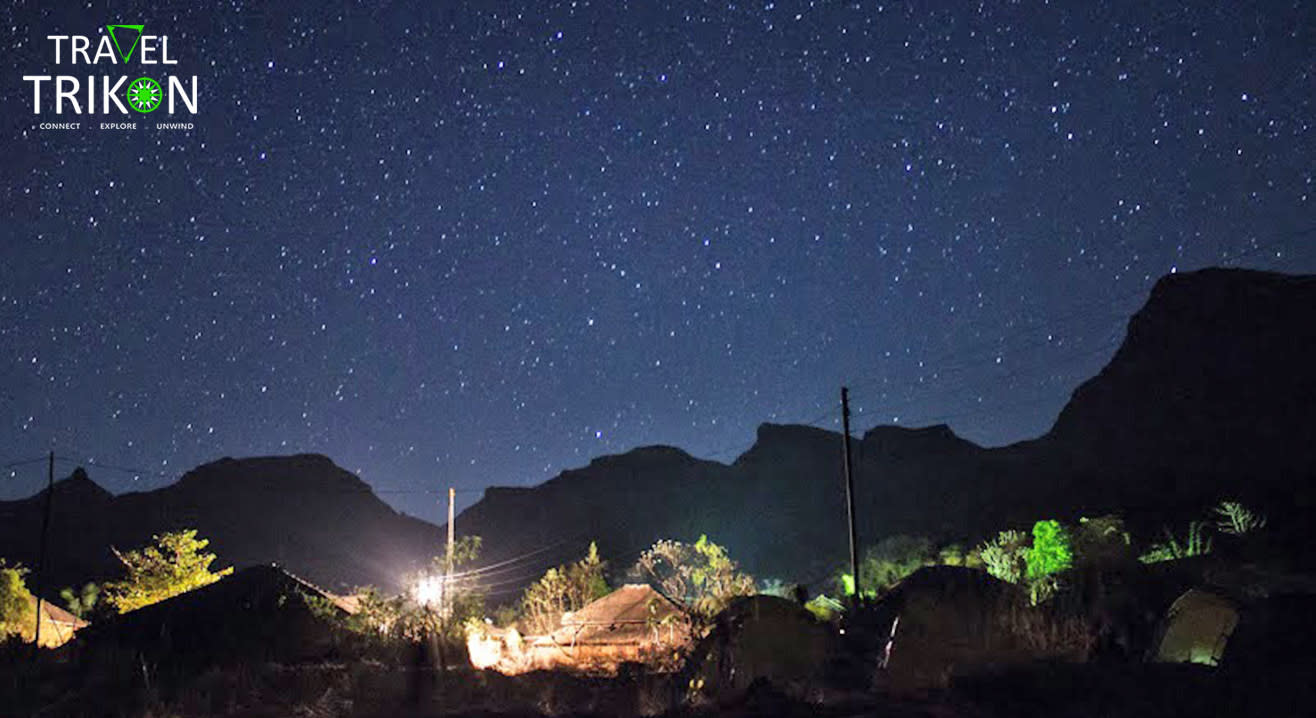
<point>429,590</point>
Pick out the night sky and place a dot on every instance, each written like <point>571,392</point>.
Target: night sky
<point>474,244</point>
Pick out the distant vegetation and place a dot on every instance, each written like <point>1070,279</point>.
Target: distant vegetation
<point>177,563</point>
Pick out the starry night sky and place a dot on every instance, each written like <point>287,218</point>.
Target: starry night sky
<point>476,243</point>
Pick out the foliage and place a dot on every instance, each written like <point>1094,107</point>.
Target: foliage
<point>955,555</point>
<point>1236,519</point>
<point>81,603</point>
<point>1006,556</point>
<point>701,577</point>
<point>891,559</point>
<point>1102,541</point>
<point>1195,543</point>
<point>18,613</point>
<point>177,563</point>
<point>565,588</point>
<point>1052,550</point>
<point>776,587</point>
<point>824,607</point>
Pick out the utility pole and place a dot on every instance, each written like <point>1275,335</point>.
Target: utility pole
<point>849,490</point>
<point>447,579</point>
<point>39,582</point>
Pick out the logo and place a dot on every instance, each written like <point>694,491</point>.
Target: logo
<point>121,71</point>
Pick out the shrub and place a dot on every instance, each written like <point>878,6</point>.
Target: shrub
<point>1195,543</point>
<point>1236,519</point>
<point>18,613</point>
<point>1006,556</point>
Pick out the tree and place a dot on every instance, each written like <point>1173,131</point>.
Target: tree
<point>1006,556</point>
<point>890,560</point>
<point>18,613</point>
<point>1052,550</point>
<point>81,603</point>
<point>701,577</point>
<point>177,563</point>
<point>566,588</point>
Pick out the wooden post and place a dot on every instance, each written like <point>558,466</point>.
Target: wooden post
<point>447,579</point>
<point>849,490</point>
<point>39,577</point>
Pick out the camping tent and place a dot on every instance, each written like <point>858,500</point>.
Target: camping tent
<point>57,625</point>
<point>761,638</point>
<point>633,623</point>
<point>1196,628</point>
<point>951,621</point>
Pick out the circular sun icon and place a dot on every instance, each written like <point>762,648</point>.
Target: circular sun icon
<point>144,94</point>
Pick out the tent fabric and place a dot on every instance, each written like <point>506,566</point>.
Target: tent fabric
<point>57,625</point>
<point>631,614</point>
<point>761,638</point>
<point>1196,629</point>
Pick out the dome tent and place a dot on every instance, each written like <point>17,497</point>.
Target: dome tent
<point>1196,629</point>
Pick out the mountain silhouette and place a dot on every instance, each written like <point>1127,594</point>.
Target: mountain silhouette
<point>1209,397</point>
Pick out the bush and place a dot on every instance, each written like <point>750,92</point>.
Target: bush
<point>18,613</point>
<point>1195,543</point>
<point>1006,556</point>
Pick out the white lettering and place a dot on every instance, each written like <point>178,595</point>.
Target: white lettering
<point>174,82</point>
<point>148,46</point>
<point>57,38</point>
<point>36,90</point>
<point>80,44</point>
<point>106,49</point>
<point>111,94</point>
<point>71,94</point>
<point>164,51</point>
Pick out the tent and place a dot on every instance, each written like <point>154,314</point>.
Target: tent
<point>1196,628</point>
<point>760,638</point>
<point>57,625</point>
<point>632,624</point>
<point>951,621</point>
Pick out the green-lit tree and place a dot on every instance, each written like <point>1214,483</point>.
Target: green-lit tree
<point>1052,550</point>
<point>176,563</point>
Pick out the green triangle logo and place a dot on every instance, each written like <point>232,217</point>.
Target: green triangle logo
<point>136,32</point>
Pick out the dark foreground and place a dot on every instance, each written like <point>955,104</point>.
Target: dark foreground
<point>370,690</point>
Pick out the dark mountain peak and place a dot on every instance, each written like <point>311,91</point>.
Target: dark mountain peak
<point>298,472</point>
<point>655,454</point>
<point>1216,360</point>
<point>76,490</point>
<point>934,433</point>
